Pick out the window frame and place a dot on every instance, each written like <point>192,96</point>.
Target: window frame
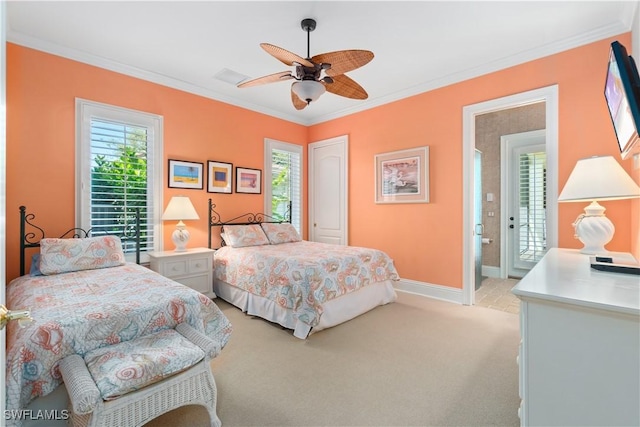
<point>269,146</point>
<point>85,111</point>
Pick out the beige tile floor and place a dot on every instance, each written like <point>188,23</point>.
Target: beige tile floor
<point>496,293</point>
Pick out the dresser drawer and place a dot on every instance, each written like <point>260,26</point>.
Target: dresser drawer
<point>175,268</point>
<point>199,265</point>
<point>192,268</point>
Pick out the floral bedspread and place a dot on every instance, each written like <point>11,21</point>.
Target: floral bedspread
<point>80,311</point>
<point>301,276</point>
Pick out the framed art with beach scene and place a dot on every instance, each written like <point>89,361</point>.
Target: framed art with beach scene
<point>403,176</point>
<point>248,180</point>
<point>184,174</point>
<point>219,177</point>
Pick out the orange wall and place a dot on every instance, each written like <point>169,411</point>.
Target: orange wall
<point>41,92</point>
<point>425,240</point>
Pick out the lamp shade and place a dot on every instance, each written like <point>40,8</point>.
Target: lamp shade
<point>180,208</point>
<point>593,179</point>
<point>598,178</point>
<point>308,90</point>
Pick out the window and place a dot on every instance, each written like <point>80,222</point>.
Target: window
<point>283,181</point>
<point>119,169</point>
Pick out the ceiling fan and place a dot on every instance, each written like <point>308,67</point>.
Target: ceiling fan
<point>317,74</point>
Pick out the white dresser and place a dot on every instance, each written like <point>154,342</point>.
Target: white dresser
<point>192,268</point>
<point>579,358</point>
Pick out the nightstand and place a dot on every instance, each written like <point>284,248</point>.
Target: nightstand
<point>193,268</point>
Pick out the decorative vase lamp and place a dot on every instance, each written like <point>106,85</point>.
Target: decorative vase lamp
<point>593,179</point>
<point>180,208</point>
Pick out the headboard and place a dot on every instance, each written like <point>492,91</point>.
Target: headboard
<point>244,219</point>
<point>31,239</point>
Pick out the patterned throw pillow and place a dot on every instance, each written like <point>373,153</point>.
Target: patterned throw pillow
<point>239,236</point>
<point>65,255</point>
<point>281,233</point>
<point>131,365</point>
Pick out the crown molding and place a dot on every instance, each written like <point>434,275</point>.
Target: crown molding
<point>107,64</point>
<point>521,58</point>
<point>526,56</point>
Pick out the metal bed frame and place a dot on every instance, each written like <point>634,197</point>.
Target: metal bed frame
<point>244,219</point>
<point>31,239</point>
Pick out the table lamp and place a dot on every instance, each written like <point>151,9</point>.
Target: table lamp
<point>180,208</point>
<point>592,179</point>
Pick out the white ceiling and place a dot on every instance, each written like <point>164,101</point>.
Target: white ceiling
<point>418,45</point>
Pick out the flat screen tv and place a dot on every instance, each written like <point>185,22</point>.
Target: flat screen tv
<point>622,92</point>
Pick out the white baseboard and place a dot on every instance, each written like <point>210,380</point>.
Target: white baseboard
<point>490,271</point>
<point>444,293</point>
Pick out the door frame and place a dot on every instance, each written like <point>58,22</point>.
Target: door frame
<point>342,140</point>
<point>507,169</point>
<point>548,95</point>
<point>3,190</point>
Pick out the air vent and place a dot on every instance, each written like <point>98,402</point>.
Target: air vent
<point>230,76</point>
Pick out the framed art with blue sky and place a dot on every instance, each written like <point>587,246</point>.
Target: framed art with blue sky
<point>184,174</point>
<point>219,177</point>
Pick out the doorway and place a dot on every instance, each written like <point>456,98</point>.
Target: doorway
<point>547,95</point>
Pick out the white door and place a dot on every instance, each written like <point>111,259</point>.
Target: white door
<point>328,163</point>
<point>525,202</point>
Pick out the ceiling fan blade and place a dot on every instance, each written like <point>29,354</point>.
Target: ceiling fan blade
<point>271,78</point>
<point>345,86</point>
<point>285,56</point>
<point>343,61</point>
<point>297,102</point>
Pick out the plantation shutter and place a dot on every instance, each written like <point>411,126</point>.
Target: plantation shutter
<point>119,180</point>
<point>286,182</point>
<point>533,199</point>
<point>119,170</point>
<point>283,181</point>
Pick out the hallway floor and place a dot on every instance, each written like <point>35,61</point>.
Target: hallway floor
<point>496,293</point>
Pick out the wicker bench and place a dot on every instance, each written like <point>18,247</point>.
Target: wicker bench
<point>192,386</point>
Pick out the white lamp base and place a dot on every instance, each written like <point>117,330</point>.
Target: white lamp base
<point>181,237</point>
<point>594,229</point>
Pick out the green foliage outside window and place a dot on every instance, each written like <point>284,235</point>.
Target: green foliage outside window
<point>280,184</point>
<point>118,186</point>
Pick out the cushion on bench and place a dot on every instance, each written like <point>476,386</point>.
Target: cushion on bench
<point>131,365</point>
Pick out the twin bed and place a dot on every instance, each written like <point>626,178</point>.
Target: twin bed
<point>266,269</point>
<point>83,296</point>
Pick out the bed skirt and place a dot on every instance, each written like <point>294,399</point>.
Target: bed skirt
<point>335,311</point>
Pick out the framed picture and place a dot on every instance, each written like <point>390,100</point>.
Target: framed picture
<point>403,176</point>
<point>219,177</point>
<point>185,174</point>
<point>248,180</point>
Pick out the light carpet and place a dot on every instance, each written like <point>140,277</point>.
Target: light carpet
<point>416,362</point>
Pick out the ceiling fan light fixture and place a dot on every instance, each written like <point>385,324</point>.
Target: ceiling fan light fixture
<point>309,85</point>
<point>308,90</point>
